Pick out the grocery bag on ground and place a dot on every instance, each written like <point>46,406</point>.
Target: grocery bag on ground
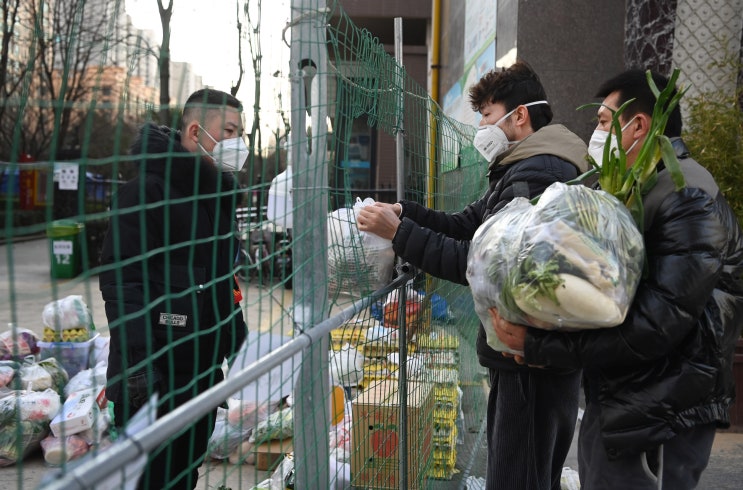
<point>278,425</point>
<point>572,261</point>
<point>125,478</point>
<point>60,450</point>
<point>17,343</point>
<point>358,262</point>
<point>235,424</point>
<point>42,375</point>
<point>24,422</point>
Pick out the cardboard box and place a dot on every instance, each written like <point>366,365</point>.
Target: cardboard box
<point>78,414</point>
<point>375,458</point>
<point>268,454</point>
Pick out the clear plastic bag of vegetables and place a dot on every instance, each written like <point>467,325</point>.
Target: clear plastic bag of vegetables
<point>572,261</point>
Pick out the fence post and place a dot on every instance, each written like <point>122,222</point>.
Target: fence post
<point>310,209</point>
<point>402,299</point>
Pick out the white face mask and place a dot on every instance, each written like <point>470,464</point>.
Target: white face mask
<point>598,141</point>
<point>229,154</point>
<point>490,139</point>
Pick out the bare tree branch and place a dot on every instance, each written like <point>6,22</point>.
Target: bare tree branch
<point>236,87</point>
<point>166,13</point>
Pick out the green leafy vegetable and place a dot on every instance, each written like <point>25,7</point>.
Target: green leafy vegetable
<point>630,184</point>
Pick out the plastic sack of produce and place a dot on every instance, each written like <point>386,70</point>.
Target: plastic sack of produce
<point>358,261</point>
<point>17,343</point>
<point>278,425</point>
<point>42,375</point>
<point>24,422</point>
<point>235,424</point>
<point>60,450</point>
<point>572,261</point>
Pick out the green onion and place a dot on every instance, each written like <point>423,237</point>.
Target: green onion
<point>630,184</point>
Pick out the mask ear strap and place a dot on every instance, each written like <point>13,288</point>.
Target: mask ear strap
<point>207,133</point>
<point>528,104</point>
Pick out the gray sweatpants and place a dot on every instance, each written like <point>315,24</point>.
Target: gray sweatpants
<point>531,421</point>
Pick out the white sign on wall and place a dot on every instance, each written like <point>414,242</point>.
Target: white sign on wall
<point>67,175</point>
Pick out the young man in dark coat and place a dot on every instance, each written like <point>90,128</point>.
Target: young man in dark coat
<point>171,298</point>
<point>532,412</point>
<point>660,384</point>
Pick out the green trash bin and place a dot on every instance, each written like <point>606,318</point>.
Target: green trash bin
<point>64,247</point>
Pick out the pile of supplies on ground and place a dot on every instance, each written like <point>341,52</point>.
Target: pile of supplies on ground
<point>52,390</point>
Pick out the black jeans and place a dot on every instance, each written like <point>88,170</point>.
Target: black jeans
<point>531,422</point>
<point>684,458</point>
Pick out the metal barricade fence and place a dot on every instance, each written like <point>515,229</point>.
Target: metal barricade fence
<point>90,471</point>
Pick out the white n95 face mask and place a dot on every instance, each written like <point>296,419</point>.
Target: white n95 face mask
<point>598,141</point>
<point>229,154</point>
<point>490,139</point>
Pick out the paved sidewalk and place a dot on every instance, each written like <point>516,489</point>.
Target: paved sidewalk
<point>26,286</point>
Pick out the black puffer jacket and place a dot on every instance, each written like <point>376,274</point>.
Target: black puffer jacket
<point>668,367</point>
<point>438,242</point>
<point>170,249</point>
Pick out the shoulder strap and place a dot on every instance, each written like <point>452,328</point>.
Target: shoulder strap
<point>520,189</point>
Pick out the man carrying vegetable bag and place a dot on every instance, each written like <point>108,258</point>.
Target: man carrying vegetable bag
<point>531,412</point>
<point>660,383</point>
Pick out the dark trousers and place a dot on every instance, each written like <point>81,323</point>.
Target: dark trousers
<point>175,464</point>
<point>531,422</point>
<point>684,458</point>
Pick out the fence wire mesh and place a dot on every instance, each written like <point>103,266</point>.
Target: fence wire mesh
<point>80,84</point>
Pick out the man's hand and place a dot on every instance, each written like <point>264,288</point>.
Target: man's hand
<point>380,218</point>
<point>510,334</point>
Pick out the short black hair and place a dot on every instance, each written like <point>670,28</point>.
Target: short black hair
<point>512,87</point>
<point>633,84</point>
<point>207,99</point>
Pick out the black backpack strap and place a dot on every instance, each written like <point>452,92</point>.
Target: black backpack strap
<point>520,189</point>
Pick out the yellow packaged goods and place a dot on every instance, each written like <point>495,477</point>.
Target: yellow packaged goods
<point>375,458</point>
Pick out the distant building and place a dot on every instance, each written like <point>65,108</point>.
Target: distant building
<point>183,82</point>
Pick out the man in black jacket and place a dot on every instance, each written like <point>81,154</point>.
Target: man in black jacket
<point>171,298</point>
<point>531,412</point>
<point>658,385</point>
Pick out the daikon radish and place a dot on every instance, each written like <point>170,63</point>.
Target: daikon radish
<point>581,299</point>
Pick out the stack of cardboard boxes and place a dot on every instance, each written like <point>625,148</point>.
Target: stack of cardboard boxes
<point>376,459</point>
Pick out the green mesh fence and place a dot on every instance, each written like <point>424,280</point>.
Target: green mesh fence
<point>317,387</point>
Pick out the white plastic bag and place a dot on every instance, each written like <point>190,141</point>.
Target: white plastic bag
<point>346,366</point>
<point>278,425</point>
<point>358,262</point>
<point>67,313</point>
